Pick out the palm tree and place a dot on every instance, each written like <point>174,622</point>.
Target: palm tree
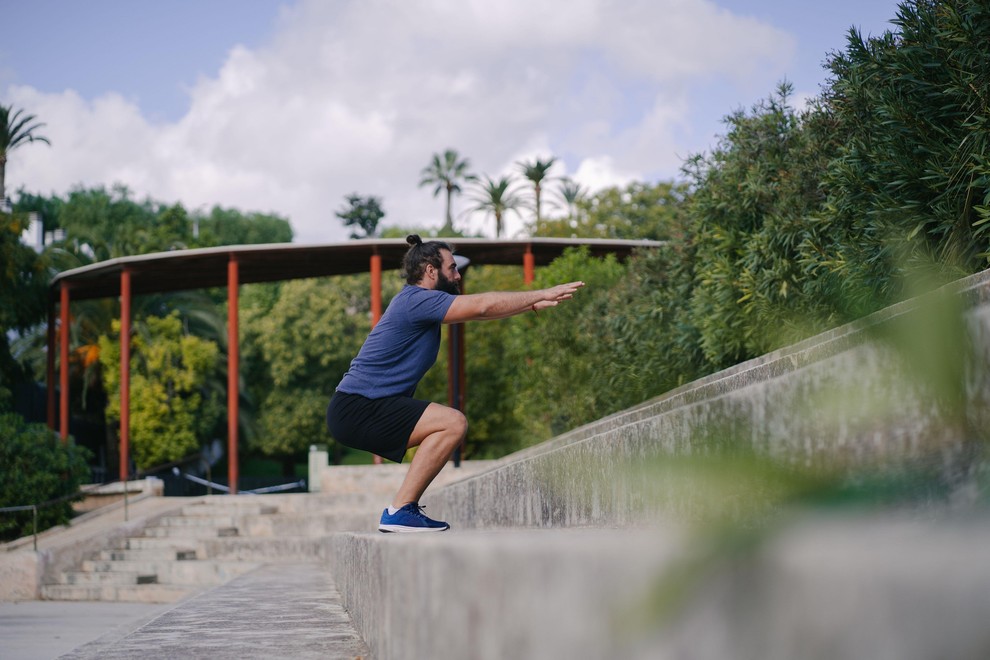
<point>536,172</point>
<point>14,131</point>
<point>570,193</point>
<point>495,197</point>
<point>446,173</point>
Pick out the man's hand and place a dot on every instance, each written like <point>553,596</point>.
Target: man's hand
<point>555,295</point>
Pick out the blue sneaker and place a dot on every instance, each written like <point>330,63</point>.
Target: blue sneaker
<point>410,518</point>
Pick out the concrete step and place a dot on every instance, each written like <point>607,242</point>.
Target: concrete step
<point>194,532</point>
<point>196,572</point>
<point>272,550</point>
<point>165,543</point>
<point>227,506</point>
<point>500,594</point>
<point>147,554</point>
<point>216,521</point>
<point>819,588</point>
<point>312,524</point>
<point>113,577</point>
<point>138,593</point>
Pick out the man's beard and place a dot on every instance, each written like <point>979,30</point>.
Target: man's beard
<point>446,285</point>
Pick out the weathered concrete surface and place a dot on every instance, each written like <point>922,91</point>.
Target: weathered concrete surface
<point>859,399</point>
<point>852,587</point>
<point>383,480</point>
<point>493,595</point>
<point>277,611</point>
<point>821,589</point>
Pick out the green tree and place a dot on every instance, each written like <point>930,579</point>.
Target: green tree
<point>36,467</point>
<point>363,214</point>
<point>303,340</point>
<point>562,347</point>
<point>638,211</point>
<point>172,411</point>
<point>15,130</point>
<point>536,172</point>
<point>446,172</point>
<point>911,183</point>
<point>232,227</point>
<point>496,198</point>
<point>568,195</point>
<point>754,203</point>
<point>24,281</point>
<point>109,224</point>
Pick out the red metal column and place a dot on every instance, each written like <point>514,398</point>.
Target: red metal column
<point>376,307</point>
<point>529,263</point>
<point>63,366</point>
<point>125,373</point>
<point>376,289</point>
<point>456,372</point>
<point>50,372</point>
<point>233,371</point>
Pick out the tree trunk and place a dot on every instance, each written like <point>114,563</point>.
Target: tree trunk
<point>537,188</point>
<point>449,227</point>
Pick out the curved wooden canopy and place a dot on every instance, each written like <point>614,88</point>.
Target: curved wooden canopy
<point>231,266</point>
<point>180,270</point>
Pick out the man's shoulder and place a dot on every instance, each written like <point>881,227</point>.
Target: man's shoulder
<point>413,294</point>
<point>422,304</point>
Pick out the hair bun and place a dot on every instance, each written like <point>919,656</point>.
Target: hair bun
<point>414,239</point>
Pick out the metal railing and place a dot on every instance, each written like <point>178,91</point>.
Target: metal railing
<point>226,489</point>
<point>58,500</point>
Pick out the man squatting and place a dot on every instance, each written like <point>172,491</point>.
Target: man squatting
<point>373,408</point>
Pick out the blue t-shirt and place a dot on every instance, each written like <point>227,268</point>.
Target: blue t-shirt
<point>402,346</point>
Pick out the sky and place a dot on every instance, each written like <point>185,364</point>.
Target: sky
<point>288,106</point>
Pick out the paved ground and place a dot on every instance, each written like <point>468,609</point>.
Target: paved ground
<point>276,611</point>
<point>46,629</point>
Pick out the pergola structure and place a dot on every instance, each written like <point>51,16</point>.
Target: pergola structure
<point>232,266</point>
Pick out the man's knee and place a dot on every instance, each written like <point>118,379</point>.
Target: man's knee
<point>457,423</point>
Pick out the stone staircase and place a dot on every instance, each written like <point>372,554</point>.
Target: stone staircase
<point>205,542</point>
<point>169,560</point>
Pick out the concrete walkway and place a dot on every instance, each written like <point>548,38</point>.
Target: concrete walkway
<point>47,629</point>
<point>276,611</point>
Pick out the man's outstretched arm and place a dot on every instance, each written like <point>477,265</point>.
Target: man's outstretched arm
<point>501,304</point>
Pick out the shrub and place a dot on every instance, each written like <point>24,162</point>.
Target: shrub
<point>36,467</point>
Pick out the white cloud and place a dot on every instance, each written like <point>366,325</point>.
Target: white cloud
<point>356,97</point>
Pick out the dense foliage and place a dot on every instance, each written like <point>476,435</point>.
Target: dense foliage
<point>37,468</point>
<point>23,289</point>
<point>171,406</point>
<point>911,182</point>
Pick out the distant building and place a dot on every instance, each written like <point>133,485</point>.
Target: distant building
<point>34,235</point>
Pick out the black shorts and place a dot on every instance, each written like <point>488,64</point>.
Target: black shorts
<point>381,426</point>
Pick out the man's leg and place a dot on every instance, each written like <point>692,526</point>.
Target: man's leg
<point>439,431</point>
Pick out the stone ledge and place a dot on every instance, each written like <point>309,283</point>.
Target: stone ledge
<point>822,588</point>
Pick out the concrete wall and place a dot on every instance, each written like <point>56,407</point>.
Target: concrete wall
<point>896,394</point>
